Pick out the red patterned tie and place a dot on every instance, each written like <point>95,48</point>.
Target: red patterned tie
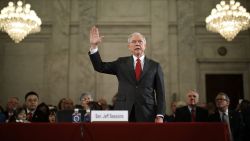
<point>193,114</point>
<point>138,69</point>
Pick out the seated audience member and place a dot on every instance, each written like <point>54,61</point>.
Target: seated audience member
<point>66,104</point>
<point>31,103</point>
<point>2,115</point>
<point>85,99</point>
<point>52,114</point>
<point>41,114</point>
<point>223,114</point>
<point>12,105</point>
<point>191,112</point>
<point>211,108</point>
<point>60,104</point>
<point>244,109</point>
<point>174,106</point>
<point>170,118</point>
<point>19,116</point>
<point>52,117</point>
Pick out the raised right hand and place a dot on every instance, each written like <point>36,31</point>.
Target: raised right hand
<point>94,38</point>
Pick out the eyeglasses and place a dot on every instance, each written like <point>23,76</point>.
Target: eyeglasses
<point>221,99</point>
<point>139,42</point>
<point>86,99</point>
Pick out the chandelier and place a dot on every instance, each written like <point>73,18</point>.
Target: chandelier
<point>228,19</point>
<point>19,21</point>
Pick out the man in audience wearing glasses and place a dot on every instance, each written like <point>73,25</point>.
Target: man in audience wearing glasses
<point>229,117</point>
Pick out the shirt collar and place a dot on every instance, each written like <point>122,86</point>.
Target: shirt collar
<point>28,111</point>
<point>226,112</point>
<point>141,58</point>
<point>190,108</point>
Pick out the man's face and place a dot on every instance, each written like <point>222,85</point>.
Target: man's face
<point>137,45</point>
<point>85,100</point>
<point>31,102</point>
<point>12,103</point>
<point>192,98</point>
<point>221,102</point>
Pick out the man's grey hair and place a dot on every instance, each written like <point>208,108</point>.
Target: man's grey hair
<point>86,94</point>
<point>136,33</point>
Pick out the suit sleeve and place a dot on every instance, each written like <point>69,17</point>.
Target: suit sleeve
<point>100,66</point>
<point>160,91</point>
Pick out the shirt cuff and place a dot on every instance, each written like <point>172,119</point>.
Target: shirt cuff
<point>93,50</point>
<point>158,115</point>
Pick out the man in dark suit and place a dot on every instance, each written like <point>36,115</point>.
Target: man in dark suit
<point>31,103</point>
<point>191,112</point>
<point>223,114</point>
<point>141,86</point>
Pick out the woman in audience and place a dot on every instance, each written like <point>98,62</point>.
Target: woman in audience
<point>85,99</point>
<point>68,104</point>
<point>52,115</point>
<point>60,104</point>
<point>65,104</point>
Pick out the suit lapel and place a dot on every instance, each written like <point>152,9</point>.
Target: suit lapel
<point>145,68</point>
<point>217,116</point>
<point>130,65</point>
<point>188,114</point>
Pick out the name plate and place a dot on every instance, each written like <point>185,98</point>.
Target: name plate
<point>109,115</point>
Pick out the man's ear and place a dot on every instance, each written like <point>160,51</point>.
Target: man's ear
<point>129,48</point>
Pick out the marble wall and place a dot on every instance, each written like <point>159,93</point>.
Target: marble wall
<point>55,62</point>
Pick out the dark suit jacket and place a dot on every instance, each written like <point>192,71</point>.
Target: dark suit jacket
<point>235,120</point>
<point>147,95</point>
<point>183,114</point>
<point>246,120</point>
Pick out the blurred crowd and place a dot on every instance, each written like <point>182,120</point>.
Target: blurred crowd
<point>238,120</point>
